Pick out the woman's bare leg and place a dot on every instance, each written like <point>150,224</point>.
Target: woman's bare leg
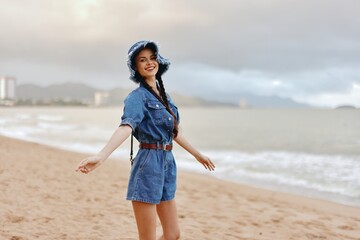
<point>145,215</point>
<point>167,213</point>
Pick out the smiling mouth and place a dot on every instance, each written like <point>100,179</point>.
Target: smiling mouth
<point>149,68</point>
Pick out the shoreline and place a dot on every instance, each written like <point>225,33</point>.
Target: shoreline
<point>310,193</point>
<point>44,198</point>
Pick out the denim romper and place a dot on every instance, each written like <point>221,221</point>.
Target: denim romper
<point>153,173</point>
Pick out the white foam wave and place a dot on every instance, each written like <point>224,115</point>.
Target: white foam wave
<point>334,177</point>
<point>50,118</point>
<point>321,175</point>
<point>22,116</point>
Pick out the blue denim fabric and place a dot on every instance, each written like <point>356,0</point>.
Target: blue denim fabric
<point>153,174</point>
<point>152,177</point>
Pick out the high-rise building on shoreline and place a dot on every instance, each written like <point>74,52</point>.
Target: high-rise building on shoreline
<point>7,90</point>
<point>101,98</point>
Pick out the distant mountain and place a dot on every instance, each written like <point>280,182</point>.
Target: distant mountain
<point>345,107</point>
<point>76,91</point>
<point>246,100</point>
<point>272,102</point>
<point>195,101</point>
<point>117,96</point>
<point>84,93</point>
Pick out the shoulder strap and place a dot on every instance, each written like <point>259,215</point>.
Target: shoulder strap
<point>131,149</point>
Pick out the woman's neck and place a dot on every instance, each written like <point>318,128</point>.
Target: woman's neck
<point>152,83</point>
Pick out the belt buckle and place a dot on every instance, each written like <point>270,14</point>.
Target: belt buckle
<point>164,146</point>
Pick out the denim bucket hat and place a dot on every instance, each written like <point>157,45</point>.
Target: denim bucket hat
<point>136,48</point>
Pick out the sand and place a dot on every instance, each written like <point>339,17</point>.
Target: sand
<point>42,197</point>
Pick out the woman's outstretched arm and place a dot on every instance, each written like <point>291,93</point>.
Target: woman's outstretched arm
<point>204,160</point>
<point>91,163</point>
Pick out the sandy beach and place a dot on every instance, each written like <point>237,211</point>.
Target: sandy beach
<point>42,197</point>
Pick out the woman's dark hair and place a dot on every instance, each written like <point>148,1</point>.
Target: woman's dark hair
<point>162,98</point>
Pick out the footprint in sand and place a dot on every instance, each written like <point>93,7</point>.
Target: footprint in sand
<point>277,219</point>
<point>44,219</point>
<point>240,223</point>
<point>15,219</point>
<point>16,238</point>
<point>315,236</point>
<point>255,224</point>
<point>346,227</point>
<point>303,223</point>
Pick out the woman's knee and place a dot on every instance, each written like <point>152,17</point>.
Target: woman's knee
<point>175,235</point>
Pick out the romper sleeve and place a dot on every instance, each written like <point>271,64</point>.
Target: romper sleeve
<point>133,112</point>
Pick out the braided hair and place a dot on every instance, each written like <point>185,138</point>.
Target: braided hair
<point>162,98</point>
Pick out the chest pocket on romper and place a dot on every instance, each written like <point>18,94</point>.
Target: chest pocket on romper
<point>157,111</point>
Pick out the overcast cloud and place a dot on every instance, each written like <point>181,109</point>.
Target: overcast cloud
<point>306,50</point>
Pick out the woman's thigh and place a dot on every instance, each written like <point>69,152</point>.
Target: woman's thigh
<point>145,215</point>
<point>167,213</point>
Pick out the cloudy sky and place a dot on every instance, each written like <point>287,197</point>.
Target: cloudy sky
<point>306,50</point>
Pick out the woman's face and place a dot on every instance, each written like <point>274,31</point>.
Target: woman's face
<point>146,63</point>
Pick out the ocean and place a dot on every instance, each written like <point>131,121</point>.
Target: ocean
<point>309,152</point>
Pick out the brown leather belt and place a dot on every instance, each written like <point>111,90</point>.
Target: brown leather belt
<point>165,147</point>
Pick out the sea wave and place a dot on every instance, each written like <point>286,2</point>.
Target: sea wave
<point>332,177</point>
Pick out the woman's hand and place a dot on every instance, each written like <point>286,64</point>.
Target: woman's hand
<point>90,163</point>
<point>206,162</point>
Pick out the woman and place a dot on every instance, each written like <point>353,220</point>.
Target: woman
<point>153,119</point>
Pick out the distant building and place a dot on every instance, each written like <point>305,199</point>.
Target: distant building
<point>101,98</point>
<point>7,91</point>
<point>243,104</point>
